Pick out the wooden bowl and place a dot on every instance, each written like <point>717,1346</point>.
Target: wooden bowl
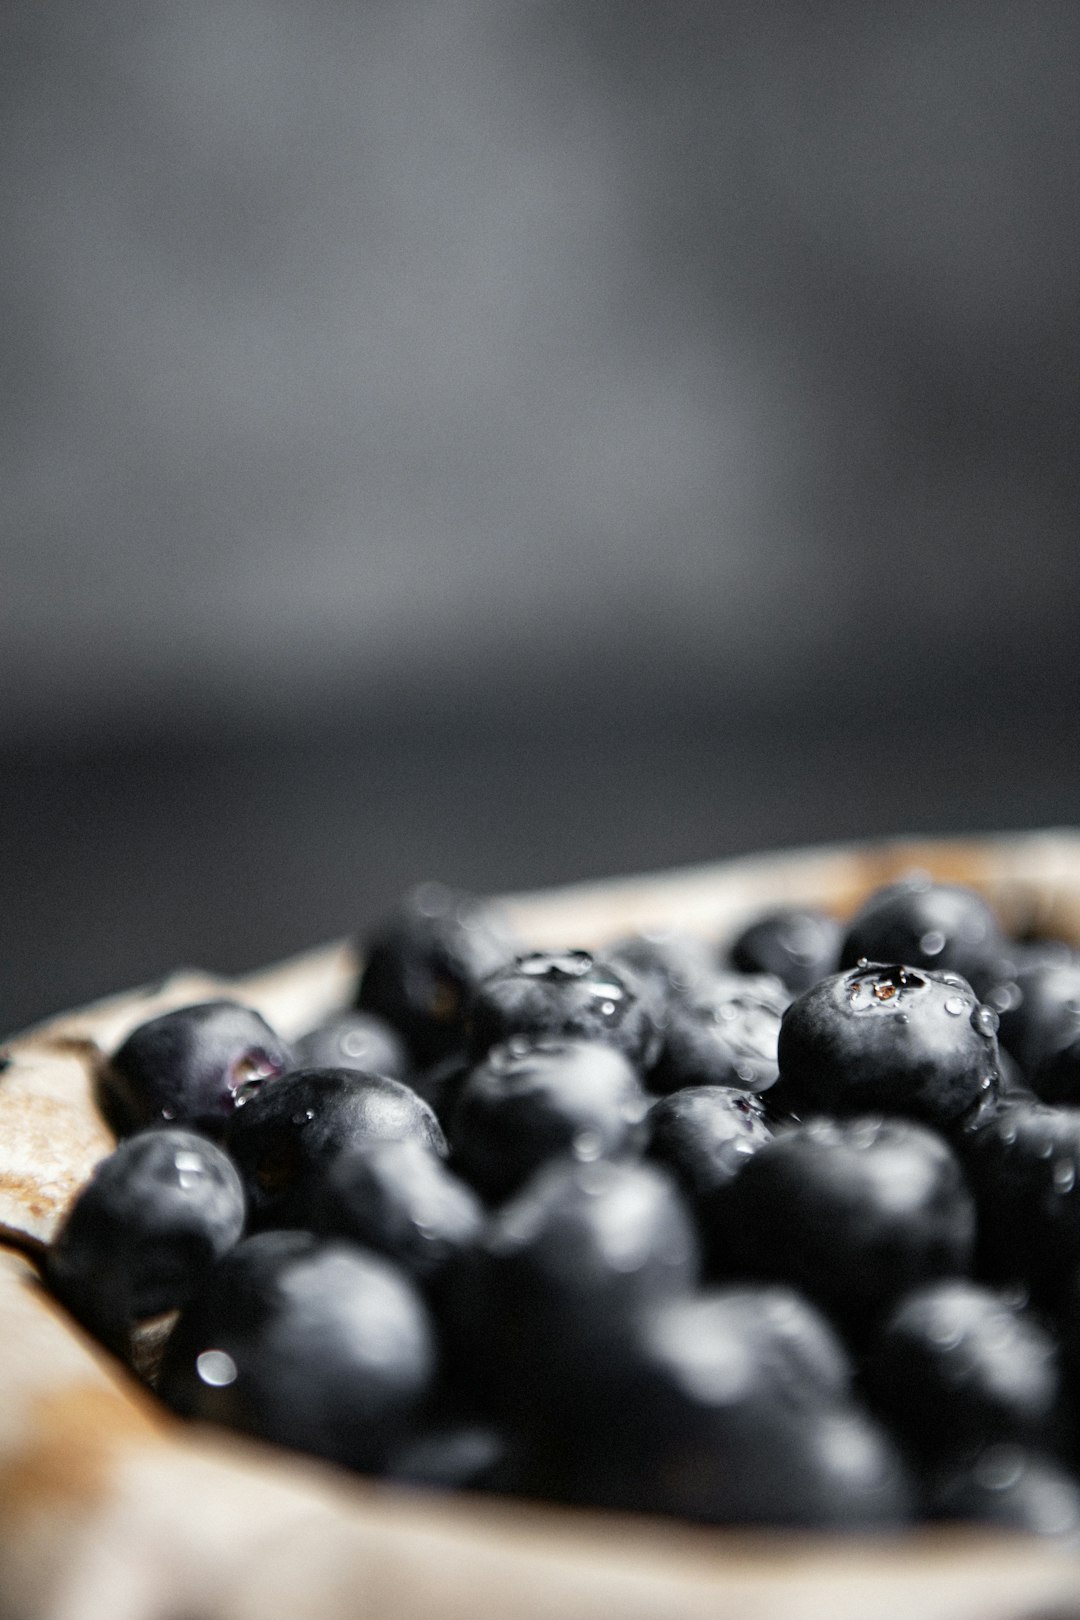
<point>112,1510</point>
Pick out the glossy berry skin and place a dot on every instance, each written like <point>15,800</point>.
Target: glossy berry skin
<point>354,1040</point>
<point>1012,1488</point>
<point>924,925</point>
<point>855,1213</point>
<point>145,1229</point>
<point>399,1199</point>
<point>554,1279</point>
<point>317,1345</point>
<point>795,944</point>
<point>703,1136</point>
<point>424,962</point>
<point>1024,1168</point>
<point>286,1138</point>
<point>1040,1026</point>
<point>724,1033</point>
<point>564,993</point>
<point>890,1039</point>
<point>192,1066</point>
<point>957,1367</point>
<point>533,1100</point>
<point>733,1407</point>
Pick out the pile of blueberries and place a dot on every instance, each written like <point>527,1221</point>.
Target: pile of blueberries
<point>790,1237</point>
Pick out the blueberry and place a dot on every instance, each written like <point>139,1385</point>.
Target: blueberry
<point>1012,1488</point>
<point>316,1345</point>
<point>702,1136</point>
<point>957,1367</point>
<point>554,1278</point>
<point>734,1408</point>
<point>667,961</point>
<point>285,1139</point>
<point>854,1212</point>
<point>724,1033</point>
<point>1040,1027</point>
<point>354,1040</point>
<point>399,1199</point>
<point>191,1066</point>
<point>924,925</point>
<point>425,960</point>
<point>1024,1168</point>
<point>797,945</point>
<point>564,993</point>
<point>145,1229</point>
<point>532,1100</point>
<point>890,1039</point>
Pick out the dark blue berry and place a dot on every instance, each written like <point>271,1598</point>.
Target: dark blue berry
<point>556,1275</point>
<point>1040,1026</point>
<point>191,1067</point>
<point>1024,1168</point>
<point>399,1199</point>
<point>723,1033</point>
<point>424,961</point>
<point>533,1099</point>
<point>797,945</point>
<point>145,1229</point>
<point>854,1212</point>
<point>957,1367</point>
<point>734,1408</point>
<point>1011,1488</point>
<point>354,1040</point>
<point>890,1039</point>
<point>704,1134</point>
<point>286,1138</point>
<point>670,963</point>
<point>564,993</point>
<point>924,925</point>
<point>317,1345</point>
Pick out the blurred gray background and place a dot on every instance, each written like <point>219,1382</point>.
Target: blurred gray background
<point>513,441</point>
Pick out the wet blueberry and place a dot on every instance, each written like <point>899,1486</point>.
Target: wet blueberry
<point>853,1212</point>
<point>1040,1026</point>
<point>190,1067</point>
<point>399,1199</point>
<point>145,1229</point>
<point>723,1033</point>
<point>424,961</point>
<point>1024,1168</point>
<point>890,1039</point>
<point>532,1100</point>
<point>702,1136</point>
<point>925,925</point>
<point>286,1138</point>
<point>957,1367</point>
<point>317,1345</point>
<point>564,993</point>
<point>354,1040</point>
<point>797,945</point>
